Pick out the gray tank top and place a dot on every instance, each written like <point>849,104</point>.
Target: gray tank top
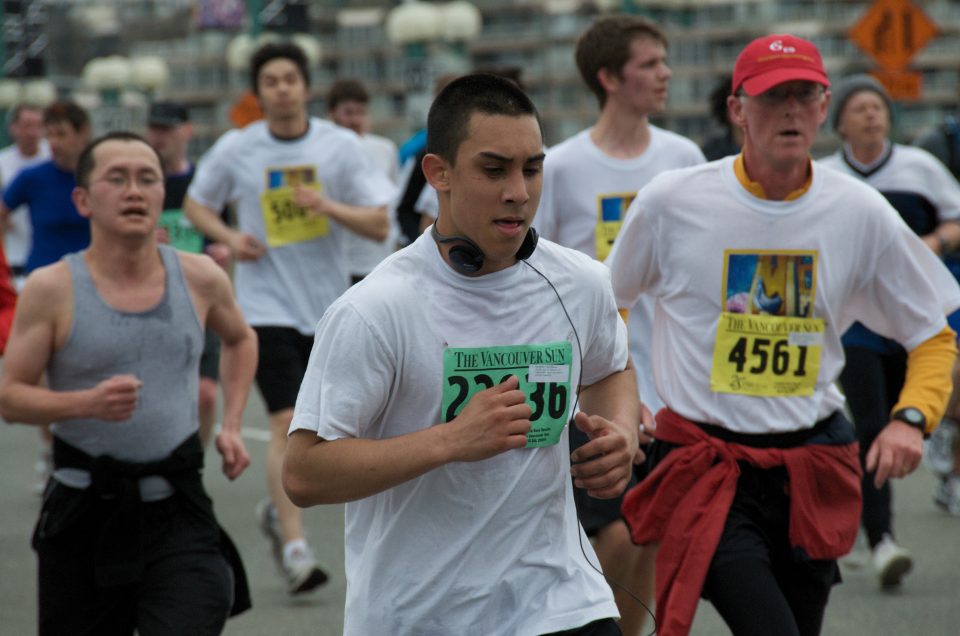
<point>160,346</point>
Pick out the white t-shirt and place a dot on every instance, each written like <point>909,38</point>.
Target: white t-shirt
<point>583,185</point>
<point>364,253</point>
<point>719,260</point>
<point>470,548</point>
<point>910,170</point>
<point>19,233</point>
<point>295,281</point>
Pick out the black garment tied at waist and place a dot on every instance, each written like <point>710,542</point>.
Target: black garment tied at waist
<point>119,552</point>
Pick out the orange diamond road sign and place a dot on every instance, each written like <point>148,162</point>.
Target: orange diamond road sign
<point>902,85</point>
<point>893,31</point>
<point>245,110</point>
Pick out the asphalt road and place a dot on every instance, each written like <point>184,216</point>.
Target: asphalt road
<point>928,603</point>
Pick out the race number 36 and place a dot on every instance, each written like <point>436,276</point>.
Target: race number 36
<point>543,371</point>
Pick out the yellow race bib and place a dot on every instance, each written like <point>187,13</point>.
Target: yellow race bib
<point>286,222</point>
<point>769,356</point>
<point>611,213</point>
<point>768,342</point>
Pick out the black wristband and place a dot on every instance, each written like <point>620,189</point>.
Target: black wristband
<point>912,417</point>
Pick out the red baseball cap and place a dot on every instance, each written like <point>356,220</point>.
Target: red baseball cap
<point>775,59</point>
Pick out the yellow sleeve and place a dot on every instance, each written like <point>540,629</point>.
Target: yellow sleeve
<point>928,382</point>
<point>624,314</point>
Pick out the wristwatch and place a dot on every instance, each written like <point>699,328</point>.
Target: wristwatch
<point>913,417</point>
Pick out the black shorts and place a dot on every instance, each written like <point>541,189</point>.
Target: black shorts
<point>186,586</point>
<point>595,513</point>
<point>210,358</point>
<point>284,353</point>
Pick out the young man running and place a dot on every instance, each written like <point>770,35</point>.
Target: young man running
<point>589,182</point>
<point>299,184</point>
<point>127,540</point>
<point>439,392</point>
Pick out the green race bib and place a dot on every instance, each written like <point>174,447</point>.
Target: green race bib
<point>544,373</point>
<point>183,236</point>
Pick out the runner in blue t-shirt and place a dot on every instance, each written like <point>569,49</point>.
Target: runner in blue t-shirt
<point>47,188</point>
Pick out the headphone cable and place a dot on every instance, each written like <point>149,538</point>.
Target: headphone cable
<point>576,402</point>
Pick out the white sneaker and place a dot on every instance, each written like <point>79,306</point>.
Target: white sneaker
<point>267,520</point>
<point>859,556</point>
<point>891,561</point>
<point>302,571</point>
<point>938,450</point>
<point>947,494</point>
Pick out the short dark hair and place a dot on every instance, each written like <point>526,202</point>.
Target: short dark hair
<point>66,112</point>
<point>512,73</point>
<point>346,90</point>
<point>449,117</point>
<point>273,50</point>
<point>606,45</point>
<point>86,163</point>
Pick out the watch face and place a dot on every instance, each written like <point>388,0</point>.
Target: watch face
<point>911,416</point>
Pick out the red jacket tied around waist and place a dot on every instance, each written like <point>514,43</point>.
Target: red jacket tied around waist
<point>683,505</point>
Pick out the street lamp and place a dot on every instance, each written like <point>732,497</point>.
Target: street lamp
<point>123,89</point>
<point>413,23</point>
<point>239,51</point>
<point>149,73</point>
<point>107,75</point>
<point>433,37</point>
<point>460,21</point>
<point>9,93</point>
<point>311,47</point>
<point>39,92</point>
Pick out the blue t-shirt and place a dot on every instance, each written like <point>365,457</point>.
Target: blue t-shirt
<point>57,227</point>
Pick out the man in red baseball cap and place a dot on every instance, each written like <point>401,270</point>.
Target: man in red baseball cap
<point>775,59</point>
<point>758,264</point>
<point>778,130</point>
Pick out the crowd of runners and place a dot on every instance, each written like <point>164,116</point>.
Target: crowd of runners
<point>561,390</point>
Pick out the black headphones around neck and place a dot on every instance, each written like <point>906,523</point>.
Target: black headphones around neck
<point>467,257</point>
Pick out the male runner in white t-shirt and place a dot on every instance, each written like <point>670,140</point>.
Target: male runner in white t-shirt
<point>29,148</point>
<point>589,181</point>
<point>299,184</point>
<point>439,392</point>
<point>346,103</point>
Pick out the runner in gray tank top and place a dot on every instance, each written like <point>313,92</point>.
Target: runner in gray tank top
<point>159,346</point>
<point>127,539</point>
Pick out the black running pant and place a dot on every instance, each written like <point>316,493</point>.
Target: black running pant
<point>872,383</point>
<point>758,584</point>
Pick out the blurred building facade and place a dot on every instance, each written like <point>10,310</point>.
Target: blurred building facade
<point>538,36</point>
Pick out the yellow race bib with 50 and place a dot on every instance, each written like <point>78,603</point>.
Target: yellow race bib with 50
<point>768,356</point>
<point>286,222</point>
